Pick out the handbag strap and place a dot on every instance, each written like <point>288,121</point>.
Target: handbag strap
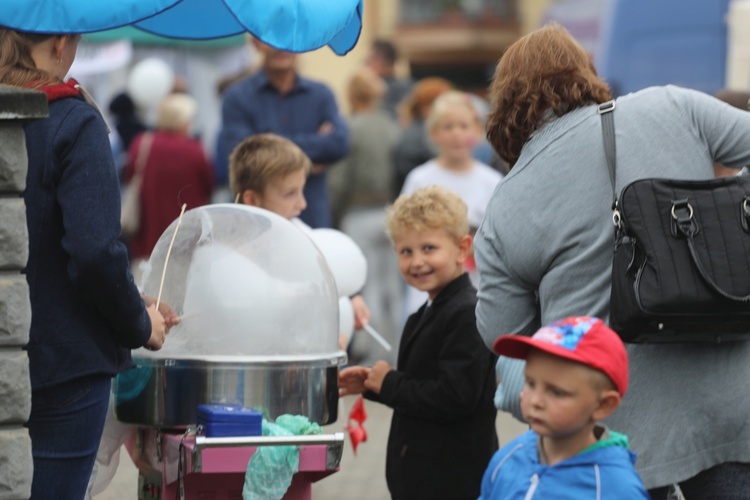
<point>687,226</point>
<point>144,148</point>
<point>608,134</point>
<point>708,279</point>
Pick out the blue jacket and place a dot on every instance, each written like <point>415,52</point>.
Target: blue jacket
<point>86,310</point>
<point>602,473</point>
<point>254,106</point>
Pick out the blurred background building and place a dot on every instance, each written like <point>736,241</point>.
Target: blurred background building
<point>460,40</point>
<point>635,43</point>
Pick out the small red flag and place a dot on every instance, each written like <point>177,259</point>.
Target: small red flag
<point>356,428</point>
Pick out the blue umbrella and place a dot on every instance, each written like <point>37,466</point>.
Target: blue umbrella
<point>294,25</point>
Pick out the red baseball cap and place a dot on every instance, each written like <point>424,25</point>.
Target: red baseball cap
<point>582,339</point>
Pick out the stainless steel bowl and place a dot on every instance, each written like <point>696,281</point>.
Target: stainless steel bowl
<point>166,392</point>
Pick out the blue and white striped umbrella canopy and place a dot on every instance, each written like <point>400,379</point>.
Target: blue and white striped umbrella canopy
<point>294,25</point>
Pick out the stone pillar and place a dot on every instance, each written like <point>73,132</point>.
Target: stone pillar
<point>16,107</point>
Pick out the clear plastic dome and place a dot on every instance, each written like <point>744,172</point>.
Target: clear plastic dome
<point>247,284</point>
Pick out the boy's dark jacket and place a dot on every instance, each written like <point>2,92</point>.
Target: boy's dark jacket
<point>443,428</point>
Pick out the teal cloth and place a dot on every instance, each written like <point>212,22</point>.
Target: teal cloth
<point>271,468</point>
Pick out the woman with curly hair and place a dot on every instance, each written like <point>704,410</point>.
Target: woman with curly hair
<point>544,249</point>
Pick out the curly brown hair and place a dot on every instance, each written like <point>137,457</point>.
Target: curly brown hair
<point>545,70</point>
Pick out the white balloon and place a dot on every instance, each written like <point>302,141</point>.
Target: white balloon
<point>149,82</point>
<point>344,258</point>
<point>346,317</point>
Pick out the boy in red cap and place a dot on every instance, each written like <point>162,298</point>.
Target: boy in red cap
<point>576,374</point>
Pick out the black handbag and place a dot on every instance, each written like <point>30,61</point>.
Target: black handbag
<point>681,267</point>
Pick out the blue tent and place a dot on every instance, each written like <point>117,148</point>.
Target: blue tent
<point>294,25</point>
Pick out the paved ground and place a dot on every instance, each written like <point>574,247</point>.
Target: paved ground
<point>361,477</point>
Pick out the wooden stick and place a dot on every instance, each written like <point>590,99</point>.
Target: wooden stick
<point>374,334</point>
<point>190,316</point>
<point>169,252</point>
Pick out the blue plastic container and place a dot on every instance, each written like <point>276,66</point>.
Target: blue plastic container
<point>226,421</point>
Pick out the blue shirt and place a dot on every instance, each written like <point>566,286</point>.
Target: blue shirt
<point>254,106</point>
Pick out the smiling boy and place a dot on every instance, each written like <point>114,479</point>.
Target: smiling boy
<point>576,374</point>
<point>443,427</point>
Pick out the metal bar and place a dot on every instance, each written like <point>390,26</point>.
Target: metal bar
<point>328,439</point>
<point>334,442</point>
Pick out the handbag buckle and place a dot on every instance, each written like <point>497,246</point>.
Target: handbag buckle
<point>682,205</point>
<point>617,219</point>
<point>682,214</point>
<point>606,107</point>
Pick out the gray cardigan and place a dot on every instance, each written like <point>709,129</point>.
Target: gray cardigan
<point>544,252</point>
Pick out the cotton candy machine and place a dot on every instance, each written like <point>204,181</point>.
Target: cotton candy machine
<point>259,322</point>
<point>190,466</point>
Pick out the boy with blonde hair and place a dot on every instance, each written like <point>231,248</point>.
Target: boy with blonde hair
<point>576,374</point>
<point>443,427</point>
<point>268,171</point>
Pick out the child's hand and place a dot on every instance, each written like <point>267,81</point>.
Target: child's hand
<point>378,372</point>
<point>352,380</point>
<point>158,329</point>
<point>170,317</point>
<point>361,312</point>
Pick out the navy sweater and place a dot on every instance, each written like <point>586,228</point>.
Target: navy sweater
<point>86,310</point>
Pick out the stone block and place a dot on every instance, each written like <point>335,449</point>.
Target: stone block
<point>17,103</point>
<point>13,158</point>
<point>15,310</point>
<point>15,387</point>
<point>16,465</point>
<point>14,237</point>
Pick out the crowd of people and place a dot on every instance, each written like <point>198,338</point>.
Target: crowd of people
<point>492,280</point>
